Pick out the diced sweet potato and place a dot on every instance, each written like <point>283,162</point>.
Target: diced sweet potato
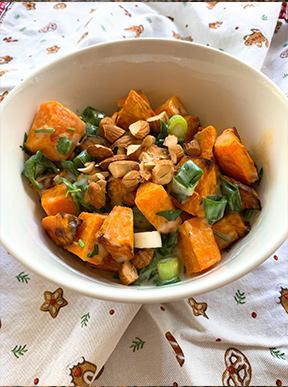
<point>128,273</point>
<point>206,139</point>
<point>142,258</point>
<point>117,234</point>
<point>229,229</point>
<point>134,108</point>
<point>197,245</point>
<point>249,197</point>
<point>60,131</point>
<point>55,200</point>
<point>86,239</point>
<point>193,127</point>
<point>234,159</point>
<point>172,106</point>
<point>61,228</point>
<point>152,198</point>
<point>108,264</point>
<point>192,205</point>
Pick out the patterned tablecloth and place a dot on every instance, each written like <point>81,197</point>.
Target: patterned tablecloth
<point>235,335</point>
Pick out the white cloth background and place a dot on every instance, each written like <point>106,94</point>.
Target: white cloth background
<point>249,315</point>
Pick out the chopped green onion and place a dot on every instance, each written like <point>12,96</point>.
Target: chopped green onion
<point>248,214</point>
<point>148,272</point>
<point>92,130</point>
<point>170,214</point>
<point>94,251</point>
<point>92,116</point>
<point>81,159</point>
<point>45,130</point>
<point>232,194</point>
<point>214,207</point>
<point>163,133</point>
<point>186,180</point>
<point>69,166</point>
<point>168,269</point>
<point>71,129</point>
<point>140,222</point>
<point>169,243</point>
<point>222,236</point>
<point>178,126</point>
<point>81,243</point>
<point>64,145</point>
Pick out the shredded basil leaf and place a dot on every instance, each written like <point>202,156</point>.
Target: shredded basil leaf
<point>148,272</point>
<point>92,116</point>
<point>214,207</point>
<point>81,159</point>
<point>94,251</point>
<point>36,166</point>
<point>163,133</point>
<point>64,145</point>
<point>170,214</point>
<point>69,166</point>
<point>221,236</point>
<point>92,130</point>
<point>232,194</point>
<point>169,243</point>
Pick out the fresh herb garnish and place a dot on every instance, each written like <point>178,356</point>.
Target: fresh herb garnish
<point>94,251</point>
<point>148,272</point>
<point>80,160</point>
<point>232,194</point>
<point>140,222</point>
<point>69,166</point>
<point>71,129</point>
<point>163,133</point>
<point>45,130</point>
<point>64,145</point>
<point>92,130</point>
<point>81,243</point>
<point>35,166</point>
<point>170,214</point>
<point>186,180</point>
<point>169,242</point>
<point>214,207</point>
<point>248,214</point>
<point>222,236</point>
<point>92,116</point>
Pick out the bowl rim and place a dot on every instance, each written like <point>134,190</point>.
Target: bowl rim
<point>140,294</point>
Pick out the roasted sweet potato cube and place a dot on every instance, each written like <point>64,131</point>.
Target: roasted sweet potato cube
<point>152,198</point>
<point>172,106</point>
<point>206,139</point>
<point>193,126</point>
<point>128,273</point>
<point>249,197</point>
<point>234,159</point>
<point>192,205</point>
<point>229,229</point>
<point>197,245</point>
<point>56,131</point>
<point>134,108</point>
<point>86,246</point>
<point>61,228</point>
<point>117,234</point>
<point>55,200</point>
<point>108,264</point>
<point>142,258</point>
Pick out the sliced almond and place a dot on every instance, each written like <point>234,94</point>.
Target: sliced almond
<point>128,273</point>
<point>125,141</point>
<point>142,258</point>
<point>105,163</point>
<point>192,148</point>
<point>155,121</point>
<point>120,168</point>
<point>139,129</point>
<point>112,132</point>
<point>96,194</point>
<point>145,173</point>
<point>148,141</point>
<point>92,140</point>
<point>163,172</point>
<point>147,240</point>
<point>114,117</point>
<point>89,168</point>
<point>131,180</point>
<point>134,151</point>
<point>106,121</point>
<point>170,140</point>
<point>99,152</point>
<point>176,153</point>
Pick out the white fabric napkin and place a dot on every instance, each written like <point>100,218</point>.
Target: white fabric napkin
<point>69,339</point>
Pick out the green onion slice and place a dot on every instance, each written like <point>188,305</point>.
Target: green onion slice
<point>186,180</point>
<point>168,269</point>
<point>45,130</point>
<point>178,126</point>
<point>214,207</point>
<point>232,194</point>
<point>80,160</point>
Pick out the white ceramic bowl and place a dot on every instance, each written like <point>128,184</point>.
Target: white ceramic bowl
<point>220,89</point>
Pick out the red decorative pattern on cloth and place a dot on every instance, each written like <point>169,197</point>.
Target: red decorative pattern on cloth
<point>3,5</point>
<point>284,12</point>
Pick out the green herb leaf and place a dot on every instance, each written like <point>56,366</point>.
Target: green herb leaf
<point>94,251</point>
<point>222,236</point>
<point>45,130</point>
<point>81,243</point>
<point>92,130</point>
<point>248,214</point>
<point>170,214</point>
<point>64,145</point>
<point>92,116</point>
<point>214,207</point>
<point>148,272</point>
<point>36,166</point>
<point>163,133</point>
<point>169,243</point>
<point>69,166</point>
<point>23,146</point>
<point>186,180</point>
<point>81,159</point>
<point>140,222</point>
<point>71,129</point>
<point>232,194</point>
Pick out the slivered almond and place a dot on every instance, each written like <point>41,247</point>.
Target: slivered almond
<point>139,129</point>
<point>112,132</point>
<point>155,121</point>
<point>148,141</point>
<point>163,172</point>
<point>134,151</point>
<point>131,180</point>
<point>142,258</point>
<point>170,140</point>
<point>106,121</point>
<point>125,141</point>
<point>176,153</point>
<point>128,273</point>
<point>192,148</point>
<point>120,168</point>
<point>114,117</point>
<point>92,140</point>
<point>99,152</point>
<point>89,168</point>
<point>105,163</point>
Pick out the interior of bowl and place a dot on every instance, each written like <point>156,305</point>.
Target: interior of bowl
<point>219,89</point>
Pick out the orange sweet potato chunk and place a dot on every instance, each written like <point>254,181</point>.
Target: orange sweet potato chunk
<point>197,245</point>
<point>172,106</point>
<point>53,115</point>
<point>206,139</point>
<point>152,198</point>
<point>136,107</point>
<point>61,228</point>
<point>117,234</point>
<point>249,197</point>
<point>234,159</point>
<point>192,205</point>
<point>108,264</point>
<point>229,229</point>
<point>54,200</point>
<point>87,233</point>
<point>193,123</point>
